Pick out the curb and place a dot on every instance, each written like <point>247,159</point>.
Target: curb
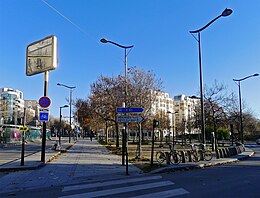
<point>187,167</point>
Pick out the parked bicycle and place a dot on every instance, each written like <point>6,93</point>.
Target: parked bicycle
<point>202,154</point>
<point>174,156</point>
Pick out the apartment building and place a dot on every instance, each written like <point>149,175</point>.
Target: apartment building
<point>184,108</point>
<point>180,109</point>
<point>11,105</point>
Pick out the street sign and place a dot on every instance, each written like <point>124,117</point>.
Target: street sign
<point>23,128</point>
<point>129,110</point>
<point>44,102</point>
<point>41,56</point>
<point>126,118</point>
<point>44,116</point>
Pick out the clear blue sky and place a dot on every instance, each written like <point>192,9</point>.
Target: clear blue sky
<point>159,31</point>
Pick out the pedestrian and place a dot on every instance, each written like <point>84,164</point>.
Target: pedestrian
<point>91,135</point>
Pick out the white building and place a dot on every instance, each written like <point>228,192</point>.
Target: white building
<point>184,108</point>
<point>11,105</point>
<point>180,109</point>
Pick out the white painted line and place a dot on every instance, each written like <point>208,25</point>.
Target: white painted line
<point>108,183</point>
<point>164,194</point>
<point>120,190</point>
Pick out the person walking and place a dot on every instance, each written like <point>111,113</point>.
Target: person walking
<point>91,135</point>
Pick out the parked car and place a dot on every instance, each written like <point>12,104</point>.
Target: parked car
<point>258,141</point>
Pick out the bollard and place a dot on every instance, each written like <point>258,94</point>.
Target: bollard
<point>201,155</point>
<point>168,161</point>
<point>183,157</point>
<point>217,154</point>
<point>220,153</point>
<point>189,156</point>
<point>227,152</point>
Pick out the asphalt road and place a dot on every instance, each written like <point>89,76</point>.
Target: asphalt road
<point>239,179</point>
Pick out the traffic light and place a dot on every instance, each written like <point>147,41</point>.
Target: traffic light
<point>155,123</point>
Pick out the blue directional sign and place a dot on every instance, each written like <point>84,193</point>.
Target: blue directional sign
<point>129,110</point>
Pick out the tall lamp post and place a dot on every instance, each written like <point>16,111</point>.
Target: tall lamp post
<point>64,106</point>
<point>125,147</point>
<point>237,81</point>
<point>173,127</point>
<point>226,12</point>
<point>71,88</point>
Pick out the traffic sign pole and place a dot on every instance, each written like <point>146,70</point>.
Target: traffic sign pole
<point>46,79</point>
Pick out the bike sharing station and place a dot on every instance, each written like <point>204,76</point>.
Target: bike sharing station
<point>125,117</point>
<point>41,57</point>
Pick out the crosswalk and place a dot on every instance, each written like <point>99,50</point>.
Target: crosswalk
<point>138,187</point>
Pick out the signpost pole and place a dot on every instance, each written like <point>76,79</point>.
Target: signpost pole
<point>46,79</point>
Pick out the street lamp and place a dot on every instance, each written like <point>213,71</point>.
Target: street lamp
<point>240,104</point>
<point>225,13</point>
<point>69,87</point>
<point>64,106</point>
<point>173,126</point>
<point>103,40</point>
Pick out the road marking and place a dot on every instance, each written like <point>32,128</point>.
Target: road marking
<point>120,190</point>
<point>114,182</point>
<point>164,194</point>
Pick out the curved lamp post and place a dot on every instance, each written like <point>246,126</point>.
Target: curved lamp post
<point>69,87</point>
<point>225,13</point>
<point>124,149</point>
<point>237,81</point>
<point>64,106</point>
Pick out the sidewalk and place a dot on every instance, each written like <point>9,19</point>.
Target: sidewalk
<point>85,161</point>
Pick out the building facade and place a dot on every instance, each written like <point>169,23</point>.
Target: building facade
<point>184,108</point>
<point>11,105</point>
<point>180,109</point>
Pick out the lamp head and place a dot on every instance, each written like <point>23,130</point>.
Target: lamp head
<point>256,74</point>
<point>58,84</point>
<point>103,40</point>
<point>226,12</point>
<point>66,106</point>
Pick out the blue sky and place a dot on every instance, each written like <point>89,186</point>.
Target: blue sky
<point>159,31</point>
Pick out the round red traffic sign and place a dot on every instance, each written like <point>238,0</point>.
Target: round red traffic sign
<point>44,102</point>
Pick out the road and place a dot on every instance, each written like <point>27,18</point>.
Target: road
<point>231,180</point>
<point>13,152</point>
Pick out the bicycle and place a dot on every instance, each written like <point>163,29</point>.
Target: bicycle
<point>194,153</point>
<point>206,153</point>
<point>175,158</point>
<point>203,154</point>
<point>185,155</point>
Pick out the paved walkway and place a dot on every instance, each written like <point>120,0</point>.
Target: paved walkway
<point>85,161</point>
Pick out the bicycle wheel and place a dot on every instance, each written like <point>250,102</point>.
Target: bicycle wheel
<point>207,155</point>
<point>160,157</point>
<point>175,158</point>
